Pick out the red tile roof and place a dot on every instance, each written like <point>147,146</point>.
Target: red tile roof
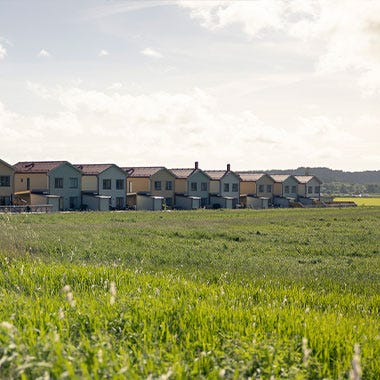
<point>37,166</point>
<point>93,169</point>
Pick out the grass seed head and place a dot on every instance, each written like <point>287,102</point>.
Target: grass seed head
<point>356,370</point>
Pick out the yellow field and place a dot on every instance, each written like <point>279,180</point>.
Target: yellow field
<point>365,201</point>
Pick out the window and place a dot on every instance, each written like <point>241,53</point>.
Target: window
<point>269,188</point>
<point>58,183</point>
<point>106,184</point>
<point>119,184</point>
<point>294,189</point>
<point>73,202</point>
<point>157,185</point>
<point>235,187</point>
<point>286,189</point>
<point>73,183</point>
<point>5,201</point>
<point>5,181</point>
<point>204,186</point>
<point>193,186</point>
<point>317,189</point>
<point>310,189</point>
<point>119,203</point>
<point>261,188</point>
<point>28,183</point>
<point>168,185</point>
<point>226,187</point>
<point>169,201</point>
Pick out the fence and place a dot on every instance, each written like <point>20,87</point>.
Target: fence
<point>27,208</point>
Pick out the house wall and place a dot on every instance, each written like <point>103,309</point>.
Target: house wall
<point>198,177</point>
<point>38,181</point>
<point>66,171</point>
<point>247,187</point>
<point>280,188</point>
<point>163,176</point>
<point>264,181</point>
<point>181,185</point>
<point>314,185</point>
<point>214,187</point>
<point>113,173</point>
<point>89,183</point>
<point>6,192</point>
<point>230,179</point>
<point>135,185</point>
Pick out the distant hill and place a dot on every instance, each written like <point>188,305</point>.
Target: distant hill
<point>327,175</point>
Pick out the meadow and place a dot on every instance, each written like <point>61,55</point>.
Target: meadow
<point>360,201</point>
<point>201,294</point>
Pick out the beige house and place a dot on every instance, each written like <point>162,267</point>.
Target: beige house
<point>102,181</point>
<point>157,181</point>
<point>224,184</point>
<point>48,181</point>
<point>6,183</point>
<point>192,182</point>
<point>257,184</point>
<point>309,186</point>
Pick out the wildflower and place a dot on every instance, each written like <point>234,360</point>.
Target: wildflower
<point>69,295</point>
<point>306,352</point>
<point>61,313</point>
<point>100,356</point>
<point>112,292</point>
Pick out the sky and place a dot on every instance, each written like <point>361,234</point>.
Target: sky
<point>258,84</point>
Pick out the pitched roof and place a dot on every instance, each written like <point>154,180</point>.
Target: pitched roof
<point>93,169</point>
<point>146,171</point>
<point>215,174</point>
<point>281,177</point>
<point>182,173</point>
<point>37,166</point>
<point>6,164</point>
<point>250,177</point>
<point>306,178</point>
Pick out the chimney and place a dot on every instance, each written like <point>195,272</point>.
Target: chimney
<point>196,165</point>
<point>228,167</point>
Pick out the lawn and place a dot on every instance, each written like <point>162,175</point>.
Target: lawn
<point>203,294</point>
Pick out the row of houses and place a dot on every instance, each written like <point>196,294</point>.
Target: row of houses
<point>66,186</point>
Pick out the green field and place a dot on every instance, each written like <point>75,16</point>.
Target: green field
<point>360,201</point>
<point>200,294</point>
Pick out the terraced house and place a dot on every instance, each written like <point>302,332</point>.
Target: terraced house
<point>151,181</point>
<point>103,186</point>
<point>309,188</point>
<point>224,187</point>
<point>6,183</point>
<point>51,182</point>
<point>285,189</point>
<point>192,187</point>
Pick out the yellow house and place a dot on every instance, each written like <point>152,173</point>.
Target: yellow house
<point>256,184</point>
<point>48,181</point>
<point>156,181</point>
<point>6,183</point>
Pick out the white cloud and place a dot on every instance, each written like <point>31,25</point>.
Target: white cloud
<point>3,52</point>
<point>149,52</point>
<point>43,54</point>
<point>345,35</point>
<point>175,129</point>
<point>103,53</point>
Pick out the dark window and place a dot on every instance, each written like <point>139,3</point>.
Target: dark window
<point>204,186</point>
<point>73,183</point>
<point>169,185</point>
<point>157,185</point>
<point>5,181</point>
<point>294,189</point>
<point>269,188</point>
<point>58,183</point>
<point>317,189</point>
<point>119,202</point>
<point>106,184</point>
<point>226,187</point>
<point>119,184</point>
<point>235,187</point>
<point>28,183</point>
<point>261,188</point>
<point>310,189</point>
<point>194,186</point>
<point>169,201</point>
<point>286,189</point>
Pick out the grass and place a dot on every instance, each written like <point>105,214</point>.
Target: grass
<point>208,294</point>
<point>360,201</point>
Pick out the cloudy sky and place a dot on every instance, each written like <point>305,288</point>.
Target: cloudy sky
<point>258,84</point>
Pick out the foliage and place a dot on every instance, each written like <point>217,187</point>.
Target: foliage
<point>208,294</point>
